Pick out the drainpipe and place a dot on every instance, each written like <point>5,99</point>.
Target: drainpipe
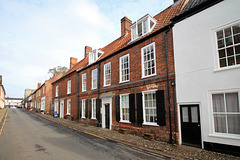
<point>174,110</point>
<point>98,103</point>
<point>78,107</point>
<point>169,105</point>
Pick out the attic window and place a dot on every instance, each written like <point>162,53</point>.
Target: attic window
<point>94,55</point>
<point>142,26</point>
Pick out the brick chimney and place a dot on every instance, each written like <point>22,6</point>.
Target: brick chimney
<point>125,26</point>
<point>39,84</point>
<point>73,61</point>
<point>87,50</point>
<point>0,80</point>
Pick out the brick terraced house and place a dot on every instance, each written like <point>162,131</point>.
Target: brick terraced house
<point>128,84</point>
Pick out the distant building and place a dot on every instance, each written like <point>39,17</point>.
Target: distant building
<point>13,102</point>
<point>2,93</point>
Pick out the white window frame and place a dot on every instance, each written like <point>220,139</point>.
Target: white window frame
<point>219,134</point>
<point>69,87</point>
<point>217,58</point>
<point>120,68</point>
<point>83,108</point>
<point>94,100</point>
<point>94,86</point>
<point>69,107</point>
<point>56,104</point>
<point>121,105</point>
<point>84,84</point>
<point>105,75</point>
<point>142,57</point>
<point>144,112</point>
<point>94,55</point>
<point>56,91</point>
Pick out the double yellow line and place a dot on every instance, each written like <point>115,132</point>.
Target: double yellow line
<point>3,123</point>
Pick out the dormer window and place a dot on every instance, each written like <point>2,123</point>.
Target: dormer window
<point>94,55</point>
<point>142,26</point>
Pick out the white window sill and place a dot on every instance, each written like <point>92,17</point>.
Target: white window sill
<point>150,124</point>
<point>124,81</point>
<point>107,85</point>
<point>227,68</point>
<point>83,117</point>
<point>149,76</point>
<point>68,114</point>
<point>124,122</point>
<point>94,88</point>
<point>84,91</point>
<point>94,118</point>
<point>226,136</point>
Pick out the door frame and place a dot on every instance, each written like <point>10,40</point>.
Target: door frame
<point>61,111</point>
<point>179,120</point>
<point>105,101</point>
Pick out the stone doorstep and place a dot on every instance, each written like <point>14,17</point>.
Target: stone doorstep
<point>149,136</point>
<point>123,130</point>
<point>189,148</point>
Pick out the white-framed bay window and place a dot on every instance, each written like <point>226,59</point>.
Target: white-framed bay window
<point>69,107</point>
<point>94,79</point>
<point>69,87</point>
<point>228,45</point>
<point>149,107</point>
<point>124,68</point>
<point>107,74</point>
<point>84,82</point>
<point>226,113</point>
<point>83,108</point>
<point>148,56</point>
<point>124,108</point>
<point>94,108</point>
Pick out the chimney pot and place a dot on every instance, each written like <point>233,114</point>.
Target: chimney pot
<point>73,61</point>
<point>125,26</point>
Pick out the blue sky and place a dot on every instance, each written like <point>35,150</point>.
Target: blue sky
<point>36,35</point>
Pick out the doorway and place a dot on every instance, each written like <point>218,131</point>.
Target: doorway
<point>107,113</point>
<point>61,109</point>
<point>107,117</point>
<point>190,125</point>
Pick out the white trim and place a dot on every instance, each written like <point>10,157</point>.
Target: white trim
<point>83,90</point>
<point>142,61</point>
<point>69,113</point>
<point>83,113</point>
<point>95,108</point>
<point>121,120</point>
<point>104,74</point>
<point>105,101</point>
<point>120,68</point>
<point>93,79</point>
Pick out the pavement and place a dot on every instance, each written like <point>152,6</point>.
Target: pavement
<point>3,113</point>
<point>158,148</point>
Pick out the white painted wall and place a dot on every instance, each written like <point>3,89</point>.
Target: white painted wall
<point>196,64</point>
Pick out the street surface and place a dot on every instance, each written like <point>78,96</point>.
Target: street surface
<point>27,136</point>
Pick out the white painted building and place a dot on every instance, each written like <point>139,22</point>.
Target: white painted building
<point>13,102</point>
<point>207,65</point>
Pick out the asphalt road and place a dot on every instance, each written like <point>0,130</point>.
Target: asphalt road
<point>27,136</point>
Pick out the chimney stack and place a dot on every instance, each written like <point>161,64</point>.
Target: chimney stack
<point>87,50</point>
<point>39,84</point>
<point>125,26</point>
<point>73,61</point>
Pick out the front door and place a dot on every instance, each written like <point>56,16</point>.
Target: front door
<point>190,125</point>
<point>61,108</point>
<point>107,117</point>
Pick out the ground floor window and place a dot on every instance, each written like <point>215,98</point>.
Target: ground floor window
<point>68,106</point>
<point>83,108</point>
<point>226,112</point>
<point>94,104</point>
<point>56,106</point>
<point>124,108</point>
<point>149,107</point>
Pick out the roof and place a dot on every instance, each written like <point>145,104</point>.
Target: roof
<point>194,6</point>
<point>3,89</point>
<point>8,98</point>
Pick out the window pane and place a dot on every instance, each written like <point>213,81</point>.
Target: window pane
<point>237,39</point>
<point>140,29</point>
<point>218,103</point>
<point>232,102</point>
<point>221,53</point>
<point>236,29</point>
<point>227,32</point>
<point>238,59</point>
<point>220,123</point>
<point>237,49</point>
<point>233,124</point>
<point>231,61</point>
<point>220,34</point>
<point>185,114</point>
<point>194,112</point>
<point>223,62</point>
<point>229,41</point>
<point>220,43</point>
<point>230,51</point>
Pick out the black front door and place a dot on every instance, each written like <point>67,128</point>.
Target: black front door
<point>107,120</point>
<point>190,125</point>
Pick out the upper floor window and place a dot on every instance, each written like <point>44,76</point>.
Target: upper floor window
<point>142,26</point>
<point>226,112</point>
<point>124,72</point>
<point>39,93</point>
<point>107,74</point>
<point>94,55</point>
<point>69,87</point>
<point>228,41</point>
<point>148,60</point>
<point>84,82</point>
<point>94,79</point>
<point>43,89</point>
<point>68,106</point>
<point>56,91</point>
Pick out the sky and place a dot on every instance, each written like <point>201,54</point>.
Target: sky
<point>37,35</point>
